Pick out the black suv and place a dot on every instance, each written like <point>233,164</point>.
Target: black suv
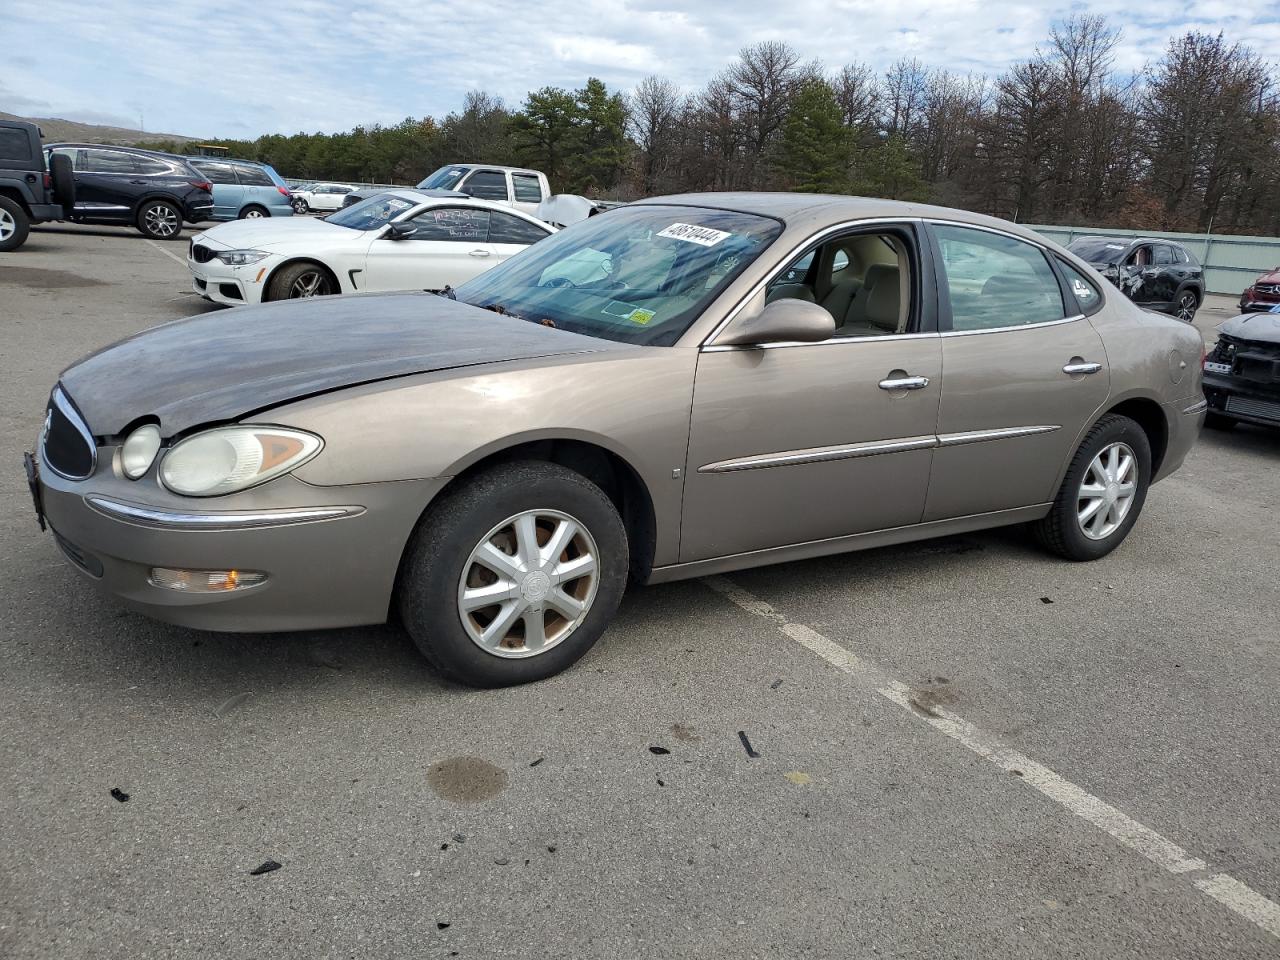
<point>30,191</point>
<point>1157,274</point>
<point>152,191</point>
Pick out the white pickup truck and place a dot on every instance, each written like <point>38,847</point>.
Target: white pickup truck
<point>514,186</point>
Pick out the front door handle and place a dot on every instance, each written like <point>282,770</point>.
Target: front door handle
<point>1077,367</point>
<point>479,253</point>
<point>904,383</point>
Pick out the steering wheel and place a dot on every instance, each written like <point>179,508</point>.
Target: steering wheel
<point>558,282</point>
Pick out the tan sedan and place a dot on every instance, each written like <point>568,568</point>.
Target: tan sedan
<point>678,387</point>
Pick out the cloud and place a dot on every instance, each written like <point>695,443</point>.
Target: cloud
<point>327,65</point>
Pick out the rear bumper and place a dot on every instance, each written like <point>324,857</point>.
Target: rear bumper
<point>1185,419</point>
<point>1249,401</point>
<point>330,555</point>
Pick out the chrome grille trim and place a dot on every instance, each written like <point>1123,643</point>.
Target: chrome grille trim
<point>65,407</point>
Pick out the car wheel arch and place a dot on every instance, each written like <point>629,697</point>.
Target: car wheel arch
<point>604,466</point>
<point>1144,410</point>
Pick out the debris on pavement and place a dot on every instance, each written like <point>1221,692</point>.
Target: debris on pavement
<point>1045,600</point>
<point>659,751</point>
<point>119,794</point>
<point>267,867</point>
<point>799,778</point>
<point>746,744</point>
<point>776,684</point>
<point>538,761</point>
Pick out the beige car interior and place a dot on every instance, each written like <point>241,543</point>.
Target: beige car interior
<point>863,281</point>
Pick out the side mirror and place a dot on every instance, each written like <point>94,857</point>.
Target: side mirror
<point>783,320</point>
<point>399,231</point>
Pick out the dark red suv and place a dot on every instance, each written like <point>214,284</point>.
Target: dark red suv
<point>1262,294</point>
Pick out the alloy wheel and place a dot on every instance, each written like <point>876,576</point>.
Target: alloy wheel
<point>1187,307</point>
<point>8,226</point>
<point>528,584</point>
<point>161,220</point>
<point>1107,491</point>
<point>313,283</point>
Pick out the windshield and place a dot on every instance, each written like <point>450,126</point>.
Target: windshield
<point>1097,249</point>
<point>638,274</point>
<point>370,214</point>
<point>443,179</point>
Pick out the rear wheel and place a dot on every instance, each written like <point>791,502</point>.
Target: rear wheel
<point>300,280</point>
<point>1187,305</point>
<point>1102,493</point>
<point>15,225</point>
<point>159,220</point>
<point>514,576</point>
<point>254,213</point>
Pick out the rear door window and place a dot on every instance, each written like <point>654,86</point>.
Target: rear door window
<point>504,228</point>
<point>108,161</point>
<point>486,185</point>
<point>217,172</point>
<point>152,166</point>
<point>996,281</point>
<point>527,187</point>
<point>1087,296</point>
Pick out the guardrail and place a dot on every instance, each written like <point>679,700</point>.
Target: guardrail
<point>1230,262</point>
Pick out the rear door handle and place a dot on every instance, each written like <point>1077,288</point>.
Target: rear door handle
<point>1077,367</point>
<point>138,182</point>
<point>479,253</point>
<point>904,383</point>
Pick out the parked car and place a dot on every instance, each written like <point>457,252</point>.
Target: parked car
<point>1242,372</point>
<point>320,196</point>
<point>402,240</point>
<point>1263,293</point>
<point>495,466</point>
<point>514,186</point>
<point>31,190</point>
<point>244,190</point>
<point>1156,274</point>
<point>154,192</point>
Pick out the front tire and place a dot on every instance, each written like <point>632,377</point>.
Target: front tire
<point>159,220</point>
<point>513,576</point>
<point>15,225</point>
<point>1102,494</point>
<point>301,206</point>
<point>301,280</point>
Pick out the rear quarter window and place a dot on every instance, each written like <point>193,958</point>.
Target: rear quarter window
<point>14,144</point>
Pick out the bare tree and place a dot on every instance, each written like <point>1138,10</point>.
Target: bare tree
<point>654,108</point>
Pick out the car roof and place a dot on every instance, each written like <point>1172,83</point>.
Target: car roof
<point>493,166</point>
<point>817,209</point>
<point>115,146</point>
<point>455,200</point>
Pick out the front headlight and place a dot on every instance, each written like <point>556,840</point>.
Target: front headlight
<point>229,459</point>
<point>239,258</point>
<point>139,450</point>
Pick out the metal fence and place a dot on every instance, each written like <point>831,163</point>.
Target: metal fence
<point>1230,263</point>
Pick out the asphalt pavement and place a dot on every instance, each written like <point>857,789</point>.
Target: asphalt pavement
<point>958,748</point>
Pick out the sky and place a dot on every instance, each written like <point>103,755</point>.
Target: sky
<point>240,68</point>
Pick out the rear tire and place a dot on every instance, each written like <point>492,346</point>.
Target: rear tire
<point>298,281</point>
<point>253,212</point>
<point>1216,421</point>
<point>1186,305</point>
<point>15,225</point>
<point>488,645</point>
<point>1063,531</point>
<point>159,220</point>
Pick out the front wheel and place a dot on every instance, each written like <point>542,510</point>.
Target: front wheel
<point>1102,493</point>
<point>159,220</point>
<point>1187,304</point>
<point>15,225</point>
<point>515,575</point>
<point>300,205</point>
<point>299,281</point>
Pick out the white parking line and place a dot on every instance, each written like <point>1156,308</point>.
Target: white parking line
<point>1228,891</point>
<point>168,253</point>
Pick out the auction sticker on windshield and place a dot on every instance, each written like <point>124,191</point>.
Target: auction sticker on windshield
<point>691,233</point>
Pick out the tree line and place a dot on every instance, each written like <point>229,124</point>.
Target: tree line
<point>1191,142</point>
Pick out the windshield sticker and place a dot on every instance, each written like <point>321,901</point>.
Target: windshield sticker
<point>641,316</point>
<point>690,233</point>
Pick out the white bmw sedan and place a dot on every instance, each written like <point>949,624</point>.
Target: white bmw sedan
<point>399,240</point>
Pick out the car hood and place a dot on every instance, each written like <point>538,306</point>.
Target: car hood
<point>1260,327</point>
<point>265,232</point>
<point>1272,277</point>
<point>221,366</point>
